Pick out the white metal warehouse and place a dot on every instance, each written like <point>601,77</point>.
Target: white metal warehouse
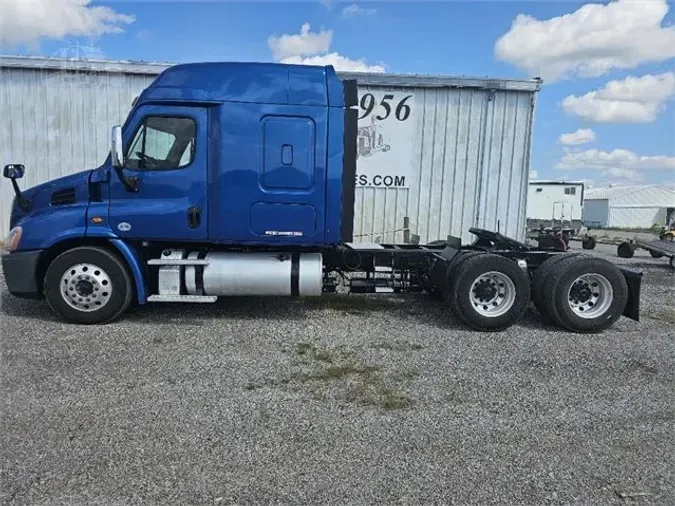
<point>629,206</point>
<point>444,155</point>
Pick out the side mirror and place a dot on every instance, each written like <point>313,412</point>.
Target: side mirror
<point>116,148</point>
<point>13,171</point>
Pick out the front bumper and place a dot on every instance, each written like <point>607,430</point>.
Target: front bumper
<point>20,270</point>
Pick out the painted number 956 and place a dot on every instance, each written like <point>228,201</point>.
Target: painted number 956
<point>401,109</point>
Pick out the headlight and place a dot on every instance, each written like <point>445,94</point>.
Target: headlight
<point>14,238</point>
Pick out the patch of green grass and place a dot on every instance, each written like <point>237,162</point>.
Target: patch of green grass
<point>328,355</point>
<point>410,374</point>
<point>334,372</point>
<point>391,400</point>
<point>323,356</point>
<point>305,348</point>
<point>666,315</point>
<point>355,304</point>
<point>374,393</point>
<point>397,346</point>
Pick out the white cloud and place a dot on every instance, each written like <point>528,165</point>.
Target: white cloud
<point>303,44</point>
<point>590,41</point>
<point>356,10</point>
<point>533,174</point>
<point>629,100</point>
<point>309,48</point>
<point>338,61</point>
<point>23,22</point>
<point>594,159</point>
<point>623,174</point>
<point>581,136</point>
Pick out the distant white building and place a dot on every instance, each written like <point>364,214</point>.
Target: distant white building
<point>560,201</point>
<point>629,206</point>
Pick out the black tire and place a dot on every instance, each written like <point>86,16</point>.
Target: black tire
<point>655,254</point>
<point>467,272</point>
<point>540,283</point>
<point>588,243</point>
<point>456,261</point>
<point>625,250</point>
<point>560,281</point>
<point>120,295</point>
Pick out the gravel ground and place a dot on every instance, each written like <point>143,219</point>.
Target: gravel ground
<point>340,399</point>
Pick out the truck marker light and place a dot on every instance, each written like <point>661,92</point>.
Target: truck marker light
<point>97,220</point>
<point>14,238</point>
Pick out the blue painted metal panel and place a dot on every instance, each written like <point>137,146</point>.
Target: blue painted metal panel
<point>268,218</point>
<point>136,268</point>
<point>288,153</point>
<point>46,224</point>
<point>159,209</point>
<point>235,181</point>
<point>264,83</point>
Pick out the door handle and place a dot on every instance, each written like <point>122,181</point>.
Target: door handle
<point>194,216</point>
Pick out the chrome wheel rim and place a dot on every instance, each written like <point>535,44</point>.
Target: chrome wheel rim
<point>492,294</point>
<point>590,296</point>
<point>86,287</point>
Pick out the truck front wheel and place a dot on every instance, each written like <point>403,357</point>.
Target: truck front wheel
<point>88,285</point>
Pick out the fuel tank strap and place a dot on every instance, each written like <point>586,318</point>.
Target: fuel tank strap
<point>199,273</point>
<point>295,274</point>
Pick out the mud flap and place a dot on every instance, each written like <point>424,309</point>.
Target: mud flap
<point>634,281</point>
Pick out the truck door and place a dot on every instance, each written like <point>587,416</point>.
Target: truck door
<point>166,154</point>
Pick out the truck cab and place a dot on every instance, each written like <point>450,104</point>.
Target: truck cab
<point>245,154</point>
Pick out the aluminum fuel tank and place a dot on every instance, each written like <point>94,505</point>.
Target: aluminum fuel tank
<point>260,273</point>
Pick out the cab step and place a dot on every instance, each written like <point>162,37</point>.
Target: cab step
<point>183,298</point>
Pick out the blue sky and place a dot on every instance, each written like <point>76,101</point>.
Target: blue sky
<point>627,131</point>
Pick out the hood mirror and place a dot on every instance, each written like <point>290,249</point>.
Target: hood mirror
<point>13,171</point>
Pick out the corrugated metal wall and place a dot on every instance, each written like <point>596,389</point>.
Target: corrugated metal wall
<point>636,216</point>
<point>653,195</point>
<point>471,153</point>
<point>471,147</point>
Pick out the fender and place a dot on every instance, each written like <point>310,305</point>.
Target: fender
<point>134,263</point>
<point>50,226</point>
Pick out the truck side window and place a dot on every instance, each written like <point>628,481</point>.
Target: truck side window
<point>162,143</point>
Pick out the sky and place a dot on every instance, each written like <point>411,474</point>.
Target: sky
<point>605,113</point>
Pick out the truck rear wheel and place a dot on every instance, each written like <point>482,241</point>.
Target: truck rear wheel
<point>586,294</point>
<point>456,261</point>
<point>625,250</point>
<point>88,285</point>
<point>588,243</point>
<point>488,292</point>
<point>540,281</point>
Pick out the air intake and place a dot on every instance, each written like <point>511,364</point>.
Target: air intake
<point>63,197</point>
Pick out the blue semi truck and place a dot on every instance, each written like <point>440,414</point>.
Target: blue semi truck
<point>234,179</point>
